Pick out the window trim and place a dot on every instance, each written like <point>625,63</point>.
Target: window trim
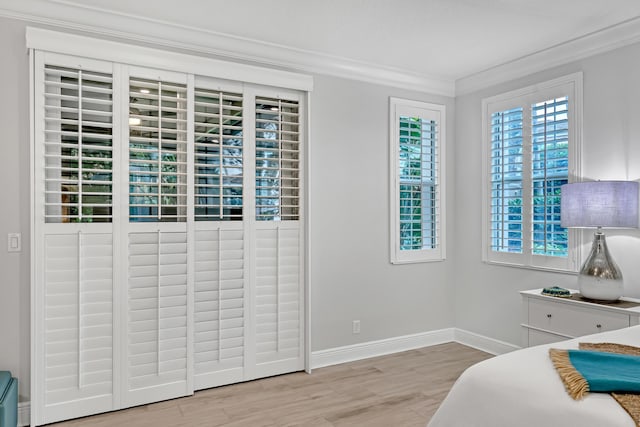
<point>436,112</point>
<point>571,86</point>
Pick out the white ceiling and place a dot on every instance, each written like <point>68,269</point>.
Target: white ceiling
<point>440,39</point>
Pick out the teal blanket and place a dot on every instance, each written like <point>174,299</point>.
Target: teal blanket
<point>585,370</point>
<point>607,372</point>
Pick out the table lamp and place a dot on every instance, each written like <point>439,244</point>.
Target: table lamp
<point>598,204</point>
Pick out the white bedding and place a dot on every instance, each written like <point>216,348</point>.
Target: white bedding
<point>522,389</point>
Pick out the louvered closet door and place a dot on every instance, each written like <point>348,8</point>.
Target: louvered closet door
<point>73,290</point>
<point>157,359</point>
<point>278,238</point>
<point>219,311</point>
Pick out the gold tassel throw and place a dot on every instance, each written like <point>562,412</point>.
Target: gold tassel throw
<point>573,381</point>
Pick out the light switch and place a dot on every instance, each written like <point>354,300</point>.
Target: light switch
<point>14,242</point>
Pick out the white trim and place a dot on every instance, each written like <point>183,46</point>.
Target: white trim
<point>350,353</point>
<point>24,414</point>
<point>205,42</point>
<point>613,37</point>
<point>105,50</point>
<point>483,343</point>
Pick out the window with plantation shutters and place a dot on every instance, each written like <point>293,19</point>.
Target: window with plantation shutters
<point>157,151</point>
<point>277,159</point>
<point>78,145</point>
<point>417,150</point>
<point>531,145</point>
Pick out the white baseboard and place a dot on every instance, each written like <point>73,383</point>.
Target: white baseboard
<point>24,414</point>
<point>350,353</point>
<point>480,342</point>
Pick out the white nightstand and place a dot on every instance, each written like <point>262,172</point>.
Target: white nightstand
<point>548,319</point>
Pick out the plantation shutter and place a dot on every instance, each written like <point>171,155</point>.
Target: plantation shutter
<point>507,180</point>
<point>157,316</point>
<point>157,151</point>
<point>78,317</point>
<point>74,274</point>
<point>418,182</point>
<point>277,159</point>
<point>78,145</point>
<point>157,359</point>
<point>219,281</point>
<point>550,170</point>
<point>219,305</point>
<point>531,143</point>
<point>278,331</point>
<point>417,161</point>
<point>218,155</point>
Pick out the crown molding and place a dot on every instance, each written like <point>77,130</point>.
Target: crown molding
<point>76,17</point>
<point>610,38</point>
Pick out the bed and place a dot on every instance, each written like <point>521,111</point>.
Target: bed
<point>522,389</point>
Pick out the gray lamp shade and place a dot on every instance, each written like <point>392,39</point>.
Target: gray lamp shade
<point>611,204</point>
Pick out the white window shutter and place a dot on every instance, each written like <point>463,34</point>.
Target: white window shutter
<point>417,162</point>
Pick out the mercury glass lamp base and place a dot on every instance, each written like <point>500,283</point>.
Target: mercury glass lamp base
<point>600,278</point>
<point>600,289</point>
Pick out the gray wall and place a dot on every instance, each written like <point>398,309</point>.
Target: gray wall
<point>14,202</point>
<point>487,300</point>
<point>351,274</point>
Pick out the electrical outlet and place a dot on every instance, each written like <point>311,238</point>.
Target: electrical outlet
<point>14,242</point>
<point>356,326</point>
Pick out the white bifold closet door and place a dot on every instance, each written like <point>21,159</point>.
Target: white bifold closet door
<point>74,251</point>
<point>168,235</point>
<point>278,232</point>
<point>156,356</point>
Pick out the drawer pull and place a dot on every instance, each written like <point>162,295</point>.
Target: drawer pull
<point>549,316</point>
<point>598,326</point>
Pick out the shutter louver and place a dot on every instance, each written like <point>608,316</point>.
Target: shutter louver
<point>157,151</point>
<point>277,159</point>
<point>157,314</point>
<point>219,306</point>
<point>78,145</point>
<point>218,155</point>
<point>278,333</point>
<point>78,323</point>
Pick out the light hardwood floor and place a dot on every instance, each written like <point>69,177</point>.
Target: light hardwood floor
<point>399,390</point>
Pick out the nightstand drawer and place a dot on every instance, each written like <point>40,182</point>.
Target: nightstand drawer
<point>571,320</point>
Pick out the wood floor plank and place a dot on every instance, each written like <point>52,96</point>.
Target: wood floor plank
<point>400,390</point>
